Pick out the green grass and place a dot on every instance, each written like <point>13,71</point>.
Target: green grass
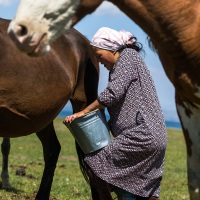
<point>69,184</point>
<point>174,184</point>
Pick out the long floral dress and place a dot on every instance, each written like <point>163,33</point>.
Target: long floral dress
<point>134,160</point>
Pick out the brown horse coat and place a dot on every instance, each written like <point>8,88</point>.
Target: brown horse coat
<point>34,90</point>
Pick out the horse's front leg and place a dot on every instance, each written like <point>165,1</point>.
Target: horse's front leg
<point>5,149</point>
<point>51,150</point>
<point>189,115</point>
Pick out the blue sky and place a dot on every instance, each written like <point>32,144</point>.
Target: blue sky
<point>117,20</point>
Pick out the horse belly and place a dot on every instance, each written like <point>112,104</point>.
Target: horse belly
<point>15,124</point>
<point>24,113</point>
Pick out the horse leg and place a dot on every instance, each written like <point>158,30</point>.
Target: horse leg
<point>100,189</point>
<point>51,150</point>
<point>5,149</point>
<point>189,115</point>
<point>89,177</point>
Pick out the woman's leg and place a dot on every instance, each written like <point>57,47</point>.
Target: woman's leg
<point>123,195</point>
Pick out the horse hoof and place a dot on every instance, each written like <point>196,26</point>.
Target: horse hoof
<point>6,186</point>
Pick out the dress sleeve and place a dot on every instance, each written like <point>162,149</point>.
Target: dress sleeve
<point>121,77</point>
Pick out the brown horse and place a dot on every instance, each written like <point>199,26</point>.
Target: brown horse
<point>34,91</point>
<point>173,27</point>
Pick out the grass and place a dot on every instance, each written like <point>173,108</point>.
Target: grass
<point>174,184</point>
<point>69,184</point>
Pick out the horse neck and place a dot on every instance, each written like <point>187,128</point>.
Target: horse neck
<point>165,21</point>
<point>85,7</point>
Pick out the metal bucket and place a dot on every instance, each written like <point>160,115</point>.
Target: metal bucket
<point>90,131</point>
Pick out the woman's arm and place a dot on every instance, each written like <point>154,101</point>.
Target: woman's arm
<point>93,106</point>
<point>121,77</point>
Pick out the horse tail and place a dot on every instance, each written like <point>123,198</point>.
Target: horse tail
<point>82,164</point>
<point>99,188</point>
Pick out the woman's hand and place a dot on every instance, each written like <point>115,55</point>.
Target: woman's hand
<point>70,118</point>
<point>93,106</point>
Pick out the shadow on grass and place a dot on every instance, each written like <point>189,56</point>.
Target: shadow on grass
<point>17,194</point>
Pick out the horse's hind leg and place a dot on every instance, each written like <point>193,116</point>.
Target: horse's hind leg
<point>5,149</point>
<point>51,150</point>
<point>189,115</point>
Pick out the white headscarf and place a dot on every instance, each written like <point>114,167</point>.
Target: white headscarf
<point>109,39</point>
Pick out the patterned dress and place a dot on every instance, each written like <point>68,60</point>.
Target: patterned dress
<point>134,160</point>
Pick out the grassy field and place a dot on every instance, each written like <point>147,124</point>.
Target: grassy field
<point>26,156</point>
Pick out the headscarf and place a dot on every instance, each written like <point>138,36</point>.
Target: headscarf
<point>109,39</point>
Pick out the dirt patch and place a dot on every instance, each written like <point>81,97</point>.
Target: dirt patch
<point>21,171</point>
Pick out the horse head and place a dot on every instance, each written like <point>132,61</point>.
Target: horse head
<point>38,23</point>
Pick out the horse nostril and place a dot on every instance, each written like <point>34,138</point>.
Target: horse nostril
<point>21,30</point>
<point>24,30</point>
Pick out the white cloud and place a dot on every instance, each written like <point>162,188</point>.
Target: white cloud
<point>7,2</point>
<point>107,8</point>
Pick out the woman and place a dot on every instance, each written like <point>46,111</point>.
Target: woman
<point>133,162</point>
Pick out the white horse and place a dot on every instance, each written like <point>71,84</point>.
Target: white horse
<point>173,27</point>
